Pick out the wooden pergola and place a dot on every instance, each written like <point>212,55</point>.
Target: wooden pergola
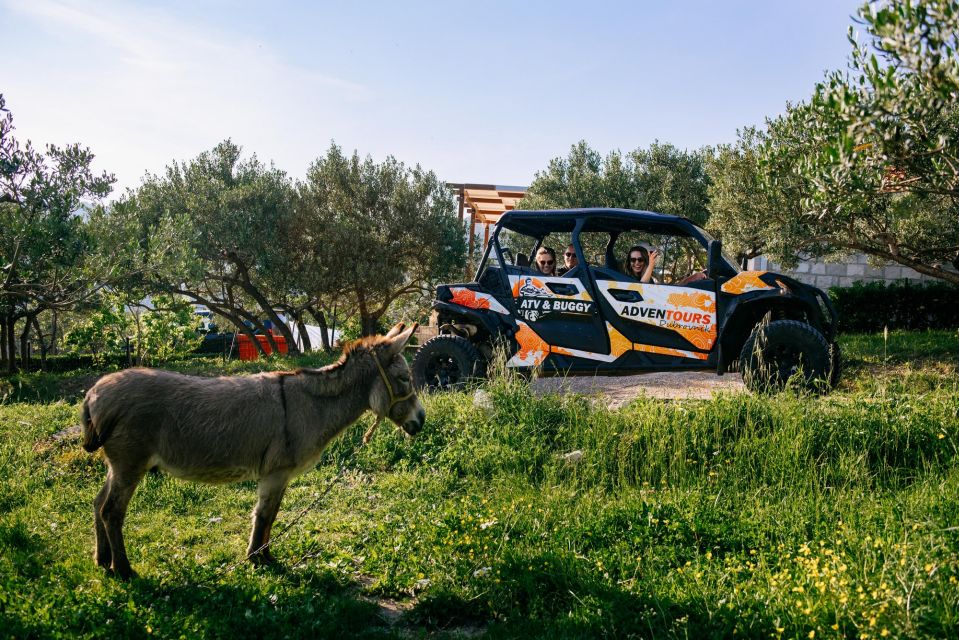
<point>484,203</point>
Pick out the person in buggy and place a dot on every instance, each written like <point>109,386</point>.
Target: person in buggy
<point>546,261</point>
<point>640,263</point>
<point>570,261</point>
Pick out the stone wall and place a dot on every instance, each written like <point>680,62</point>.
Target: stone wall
<point>841,274</point>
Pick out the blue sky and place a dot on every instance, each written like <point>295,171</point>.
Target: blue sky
<point>478,92</point>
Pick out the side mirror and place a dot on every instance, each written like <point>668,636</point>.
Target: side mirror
<point>716,265</point>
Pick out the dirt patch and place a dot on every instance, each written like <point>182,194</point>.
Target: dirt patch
<point>619,390</point>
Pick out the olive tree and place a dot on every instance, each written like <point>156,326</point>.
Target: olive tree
<point>210,230</point>
<point>661,178</point>
<point>376,232</point>
<point>755,208</point>
<point>868,164</point>
<point>47,254</point>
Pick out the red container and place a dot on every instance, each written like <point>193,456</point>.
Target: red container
<point>248,350</point>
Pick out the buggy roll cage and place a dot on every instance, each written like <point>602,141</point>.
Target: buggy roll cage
<point>539,224</point>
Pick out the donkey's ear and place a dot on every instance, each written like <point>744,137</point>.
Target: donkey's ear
<point>399,341</point>
<point>392,333</point>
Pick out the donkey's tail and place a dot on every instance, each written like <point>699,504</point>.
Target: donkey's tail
<point>94,435</point>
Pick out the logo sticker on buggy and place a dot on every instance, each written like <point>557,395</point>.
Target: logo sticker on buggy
<point>532,309</point>
<point>535,300</point>
<point>533,287</point>
<point>690,313</point>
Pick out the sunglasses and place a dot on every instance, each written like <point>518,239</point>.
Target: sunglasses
<point>546,263</point>
<point>637,259</point>
<point>569,255</point>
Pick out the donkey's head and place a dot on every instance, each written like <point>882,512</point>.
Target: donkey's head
<point>392,395</point>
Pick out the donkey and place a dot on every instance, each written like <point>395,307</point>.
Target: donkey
<point>269,427</point>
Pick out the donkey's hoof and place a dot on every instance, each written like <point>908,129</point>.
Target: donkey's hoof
<point>124,573</point>
<point>103,560</point>
<point>262,558</point>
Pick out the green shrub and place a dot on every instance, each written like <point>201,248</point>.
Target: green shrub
<point>170,330</point>
<point>167,331</point>
<point>871,306</point>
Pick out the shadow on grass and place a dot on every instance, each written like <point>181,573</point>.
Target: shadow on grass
<point>537,596</point>
<point>41,387</point>
<point>297,605</point>
<point>554,596</point>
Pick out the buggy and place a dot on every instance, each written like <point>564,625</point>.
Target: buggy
<point>594,319</point>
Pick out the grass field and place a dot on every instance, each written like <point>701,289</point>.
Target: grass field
<point>793,517</point>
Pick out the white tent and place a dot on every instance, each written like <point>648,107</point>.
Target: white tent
<point>315,334</point>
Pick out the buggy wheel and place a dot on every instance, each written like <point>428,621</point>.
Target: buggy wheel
<point>784,351</point>
<point>447,362</point>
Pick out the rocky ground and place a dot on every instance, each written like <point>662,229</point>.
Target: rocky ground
<point>619,390</point>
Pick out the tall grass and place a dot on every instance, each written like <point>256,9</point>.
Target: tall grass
<point>784,516</point>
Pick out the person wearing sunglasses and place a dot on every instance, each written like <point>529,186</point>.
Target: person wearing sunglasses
<point>569,260</point>
<point>640,263</point>
<point>546,261</point>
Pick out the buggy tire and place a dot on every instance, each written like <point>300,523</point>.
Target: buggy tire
<point>786,352</point>
<point>447,362</point>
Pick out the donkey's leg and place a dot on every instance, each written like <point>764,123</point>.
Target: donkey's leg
<point>102,554</point>
<point>123,482</point>
<point>270,492</point>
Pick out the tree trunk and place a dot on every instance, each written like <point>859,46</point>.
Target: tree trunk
<point>286,332</point>
<point>11,345</point>
<point>367,320</point>
<point>237,321</point>
<point>267,308</point>
<point>258,326</point>
<point>320,318</point>
<point>43,345</point>
<point>332,332</point>
<point>25,344</point>
<point>234,314</point>
<point>369,325</point>
<point>53,332</point>
<point>138,321</point>
<point>915,265</point>
<point>247,285</point>
<point>237,318</point>
<point>305,342</point>
<point>3,342</point>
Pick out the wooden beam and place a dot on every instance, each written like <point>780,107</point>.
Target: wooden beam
<point>481,193</point>
<point>480,200</point>
<point>489,218</point>
<point>469,255</point>
<point>498,207</point>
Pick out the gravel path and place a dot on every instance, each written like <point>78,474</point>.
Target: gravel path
<point>619,390</point>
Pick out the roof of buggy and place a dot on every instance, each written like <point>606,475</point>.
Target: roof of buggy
<point>537,223</point>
